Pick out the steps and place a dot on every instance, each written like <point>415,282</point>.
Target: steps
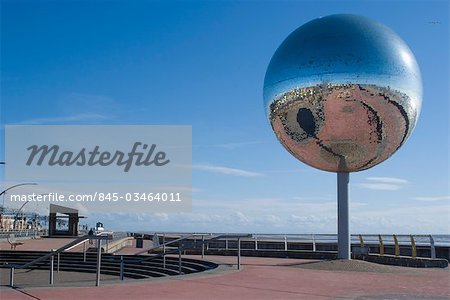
<point>135,266</point>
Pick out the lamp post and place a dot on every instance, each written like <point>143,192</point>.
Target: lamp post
<point>14,186</point>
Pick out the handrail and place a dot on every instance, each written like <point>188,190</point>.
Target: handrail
<point>61,249</point>
<point>98,237</point>
<point>237,235</point>
<point>163,245</point>
<point>83,241</point>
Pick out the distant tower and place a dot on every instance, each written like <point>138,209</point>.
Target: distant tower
<point>343,93</point>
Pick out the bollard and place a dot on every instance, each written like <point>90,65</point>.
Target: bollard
<point>432,247</point>
<point>381,245</point>
<point>396,246</point>
<point>226,244</point>
<point>121,267</point>
<point>256,242</point>
<point>413,247</point>
<point>11,277</point>
<point>239,253</point>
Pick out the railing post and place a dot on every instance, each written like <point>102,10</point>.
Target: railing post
<point>396,246</point>
<point>239,253</point>
<point>84,251</point>
<point>164,250</point>
<point>99,262</point>
<point>52,261</point>
<point>203,247</point>
<point>381,245</point>
<point>256,242</point>
<point>314,242</point>
<point>285,243</point>
<point>11,277</point>
<point>432,247</point>
<point>179,260</point>
<point>361,241</point>
<point>121,267</point>
<point>57,263</point>
<point>413,247</point>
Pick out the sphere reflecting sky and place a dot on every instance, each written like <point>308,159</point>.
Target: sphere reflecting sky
<point>343,93</point>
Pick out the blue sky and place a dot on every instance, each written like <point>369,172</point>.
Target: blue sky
<point>203,64</point>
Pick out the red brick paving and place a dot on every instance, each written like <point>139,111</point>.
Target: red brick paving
<point>41,244</point>
<point>261,278</point>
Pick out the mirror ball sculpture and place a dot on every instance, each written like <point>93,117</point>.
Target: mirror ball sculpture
<point>342,94</point>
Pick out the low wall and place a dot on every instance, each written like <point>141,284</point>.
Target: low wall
<point>403,261</point>
<point>114,246</point>
<point>266,253</point>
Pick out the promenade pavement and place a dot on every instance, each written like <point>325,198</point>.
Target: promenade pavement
<point>265,278</point>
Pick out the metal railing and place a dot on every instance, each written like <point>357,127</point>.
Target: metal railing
<point>53,253</point>
<point>181,245</point>
<point>311,242</point>
<point>400,240</point>
<point>18,233</point>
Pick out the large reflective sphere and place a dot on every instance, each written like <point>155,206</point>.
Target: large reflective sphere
<point>343,93</point>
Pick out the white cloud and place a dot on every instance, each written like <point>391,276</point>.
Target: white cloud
<point>388,180</point>
<point>226,171</point>
<point>432,199</point>
<point>232,146</point>
<point>67,119</point>
<point>384,183</point>
<point>380,186</point>
<point>313,198</point>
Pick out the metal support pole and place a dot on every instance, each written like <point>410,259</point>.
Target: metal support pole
<point>179,260</point>
<point>164,250</point>
<point>396,246</point>
<point>256,242</point>
<point>99,262</point>
<point>11,277</point>
<point>52,262</point>
<point>343,222</point>
<point>239,253</point>
<point>432,247</point>
<point>57,263</point>
<point>84,251</point>
<point>413,247</point>
<point>314,242</point>
<point>121,267</point>
<point>380,239</point>
<point>203,247</point>
<point>285,243</point>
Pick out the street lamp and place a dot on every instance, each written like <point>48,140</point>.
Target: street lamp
<point>14,186</point>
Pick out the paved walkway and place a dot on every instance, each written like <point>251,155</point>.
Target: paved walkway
<point>264,278</point>
<point>41,244</point>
